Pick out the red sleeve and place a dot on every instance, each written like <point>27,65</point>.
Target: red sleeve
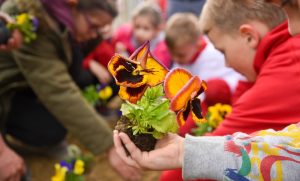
<point>273,101</point>
<point>241,88</point>
<point>102,54</point>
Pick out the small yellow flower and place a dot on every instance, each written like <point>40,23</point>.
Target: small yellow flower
<point>79,167</point>
<point>22,18</point>
<point>105,93</point>
<point>226,108</point>
<point>217,114</point>
<point>60,173</point>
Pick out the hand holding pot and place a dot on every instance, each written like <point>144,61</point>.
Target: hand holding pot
<point>168,152</point>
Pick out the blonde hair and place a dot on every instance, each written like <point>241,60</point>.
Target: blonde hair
<point>149,10</point>
<point>229,15</point>
<point>182,28</point>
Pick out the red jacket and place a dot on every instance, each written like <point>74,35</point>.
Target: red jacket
<point>274,99</point>
<point>102,54</point>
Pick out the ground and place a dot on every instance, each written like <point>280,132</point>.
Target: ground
<point>42,167</point>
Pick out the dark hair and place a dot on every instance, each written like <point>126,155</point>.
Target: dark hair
<point>108,6</point>
<point>61,11</point>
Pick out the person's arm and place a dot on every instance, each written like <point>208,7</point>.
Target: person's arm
<point>12,165</point>
<point>239,157</point>
<point>101,72</point>
<point>48,76</point>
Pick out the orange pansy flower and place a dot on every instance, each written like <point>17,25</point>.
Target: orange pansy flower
<point>183,90</point>
<point>136,73</point>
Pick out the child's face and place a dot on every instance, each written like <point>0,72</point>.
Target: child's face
<point>239,55</point>
<point>143,29</point>
<point>183,53</point>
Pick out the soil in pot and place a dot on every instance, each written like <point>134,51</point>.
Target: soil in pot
<point>145,142</point>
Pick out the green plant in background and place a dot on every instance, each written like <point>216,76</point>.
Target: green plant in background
<point>27,25</point>
<point>73,168</point>
<point>151,114</point>
<point>97,94</point>
<point>215,115</point>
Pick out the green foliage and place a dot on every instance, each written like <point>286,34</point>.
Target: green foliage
<point>151,114</point>
<point>90,93</point>
<point>202,129</point>
<point>97,94</point>
<point>74,177</point>
<point>27,25</point>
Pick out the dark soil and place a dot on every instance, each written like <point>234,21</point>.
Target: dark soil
<point>144,142</point>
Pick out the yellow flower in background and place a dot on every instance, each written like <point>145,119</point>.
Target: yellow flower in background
<point>105,93</point>
<point>79,167</point>
<point>60,173</point>
<point>217,113</point>
<point>214,116</point>
<point>22,18</point>
<point>226,108</point>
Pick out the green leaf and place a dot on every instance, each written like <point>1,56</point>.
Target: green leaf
<point>151,114</point>
<point>74,177</point>
<point>157,135</point>
<point>91,95</point>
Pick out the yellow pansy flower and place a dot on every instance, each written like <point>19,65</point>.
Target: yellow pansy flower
<point>105,93</point>
<point>22,18</point>
<point>60,173</point>
<point>79,167</point>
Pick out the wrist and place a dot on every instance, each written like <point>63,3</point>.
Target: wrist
<point>181,152</point>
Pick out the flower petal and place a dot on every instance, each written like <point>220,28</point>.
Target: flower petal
<point>155,71</point>
<point>141,54</point>
<point>126,72</point>
<point>197,111</point>
<point>175,81</point>
<point>188,92</point>
<point>203,87</point>
<point>132,94</point>
<point>183,114</point>
<point>117,60</point>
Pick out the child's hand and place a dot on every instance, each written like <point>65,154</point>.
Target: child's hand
<point>126,171</point>
<point>15,39</point>
<point>100,72</point>
<point>168,153</point>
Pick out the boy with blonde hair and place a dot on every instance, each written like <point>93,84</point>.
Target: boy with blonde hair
<point>192,51</point>
<point>258,55</point>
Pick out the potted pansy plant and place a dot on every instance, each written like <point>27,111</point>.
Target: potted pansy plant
<point>146,116</point>
<point>153,97</point>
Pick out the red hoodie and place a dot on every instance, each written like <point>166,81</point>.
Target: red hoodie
<point>102,54</point>
<point>272,101</point>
